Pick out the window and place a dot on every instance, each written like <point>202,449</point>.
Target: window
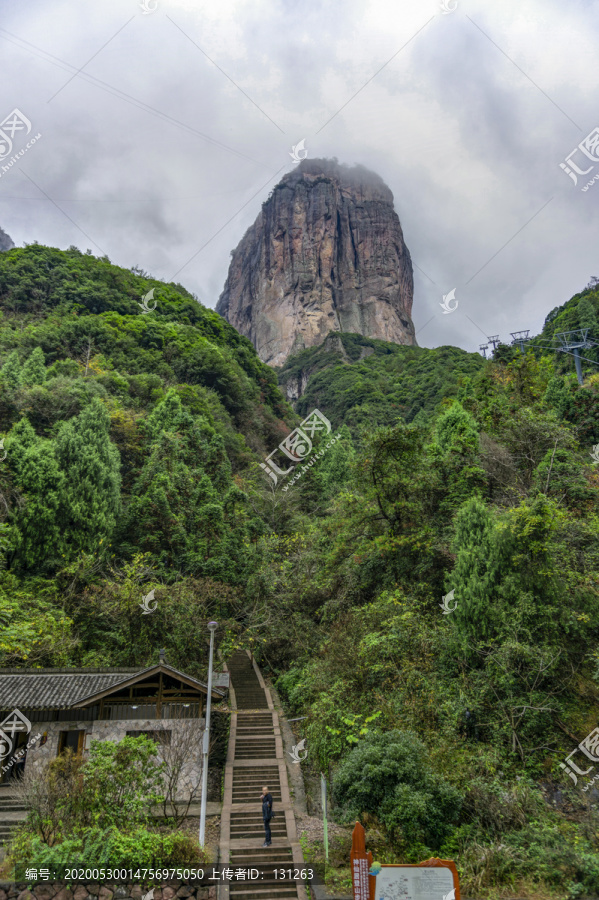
<point>70,740</point>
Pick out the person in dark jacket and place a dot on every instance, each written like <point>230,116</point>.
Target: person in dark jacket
<point>266,815</point>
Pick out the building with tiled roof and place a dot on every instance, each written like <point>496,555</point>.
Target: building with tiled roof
<point>44,712</point>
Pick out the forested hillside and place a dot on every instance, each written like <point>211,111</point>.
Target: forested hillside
<point>132,447</point>
<point>365,382</point>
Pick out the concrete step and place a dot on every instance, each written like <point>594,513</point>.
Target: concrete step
<point>256,752</point>
<point>256,734</point>
<point>244,719</point>
<point>261,856</point>
<point>254,740</point>
<point>241,775</point>
<point>255,781</point>
<point>262,731</point>
<point>252,733</point>
<point>275,827</point>
<point>254,794</point>
<point>257,833</point>
<point>247,777</point>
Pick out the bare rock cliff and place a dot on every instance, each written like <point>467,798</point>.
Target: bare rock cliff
<point>6,243</point>
<point>325,254</point>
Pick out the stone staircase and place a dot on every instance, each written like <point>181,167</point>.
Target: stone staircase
<point>255,758</point>
<point>12,813</point>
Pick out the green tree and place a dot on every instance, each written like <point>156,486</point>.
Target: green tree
<point>91,466</point>
<point>185,510</point>
<point>558,396</point>
<point>11,371</point>
<point>167,416</point>
<point>122,780</point>
<point>456,430</point>
<point>333,471</point>
<point>39,540</point>
<point>455,452</point>
<point>34,370</point>
<point>36,534</point>
<point>587,316</point>
<point>389,776</point>
<point>473,576</point>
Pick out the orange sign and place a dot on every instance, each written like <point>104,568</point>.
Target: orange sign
<point>434,879</point>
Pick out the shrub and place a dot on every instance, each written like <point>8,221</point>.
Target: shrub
<point>54,797</point>
<point>108,847</point>
<point>116,785</point>
<point>389,777</point>
<point>122,780</point>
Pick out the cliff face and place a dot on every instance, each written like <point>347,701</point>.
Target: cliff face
<point>5,241</point>
<point>325,254</point>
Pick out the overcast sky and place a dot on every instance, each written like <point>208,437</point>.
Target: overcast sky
<point>162,132</point>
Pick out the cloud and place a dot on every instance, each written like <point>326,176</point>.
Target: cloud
<point>180,121</point>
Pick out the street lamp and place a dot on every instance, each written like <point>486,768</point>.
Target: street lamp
<point>212,626</point>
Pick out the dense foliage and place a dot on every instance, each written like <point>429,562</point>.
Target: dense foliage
<point>366,382</point>
<point>132,448</point>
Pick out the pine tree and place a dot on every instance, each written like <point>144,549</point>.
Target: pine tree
<point>456,430</point>
<point>454,453</point>
<point>167,416</point>
<point>333,469</point>
<point>587,319</point>
<point>185,510</point>
<point>587,316</point>
<point>91,466</point>
<point>20,438</point>
<point>472,578</point>
<point>558,396</point>
<point>11,371</point>
<point>39,540</point>
<point>34,370</point>
<point>36,535</point>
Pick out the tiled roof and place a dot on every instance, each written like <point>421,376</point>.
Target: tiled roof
<point>62,688</point>
<point>52,689</point>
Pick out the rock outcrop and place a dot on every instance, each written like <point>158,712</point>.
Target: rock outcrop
<point>6,243</point>
<point>325,254</point>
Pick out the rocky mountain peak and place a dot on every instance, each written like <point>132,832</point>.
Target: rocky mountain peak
<point>6,243</point>
<point>326,253</point>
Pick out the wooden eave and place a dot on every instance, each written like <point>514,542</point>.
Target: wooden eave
<point>142,676</point>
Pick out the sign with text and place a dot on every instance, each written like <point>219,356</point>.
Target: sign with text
<point>360,862</point>
<point>433,880</point>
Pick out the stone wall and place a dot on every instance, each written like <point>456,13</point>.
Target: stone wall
<point>59,890</point>
<point>115,730</point>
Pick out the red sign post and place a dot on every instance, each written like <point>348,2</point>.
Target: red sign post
<point>361,862</point>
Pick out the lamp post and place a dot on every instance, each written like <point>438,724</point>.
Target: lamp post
<point>212,626</point>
